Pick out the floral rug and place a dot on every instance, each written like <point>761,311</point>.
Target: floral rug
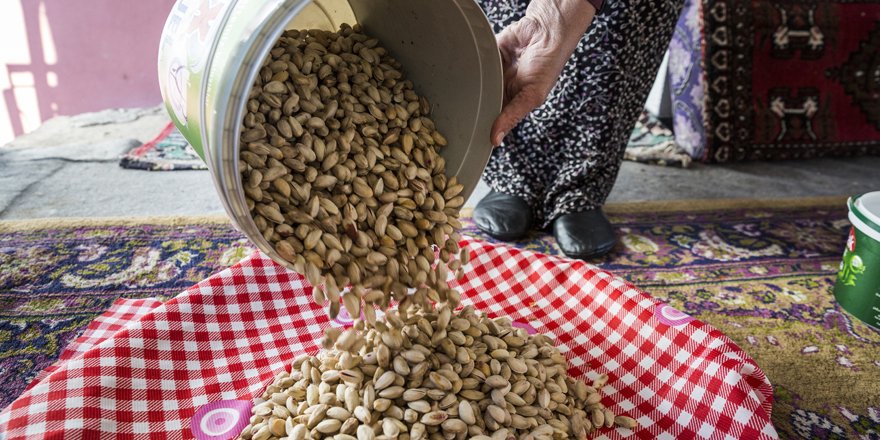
<point>761,272</point>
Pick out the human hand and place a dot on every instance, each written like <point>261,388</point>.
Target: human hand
<point>533,52</point>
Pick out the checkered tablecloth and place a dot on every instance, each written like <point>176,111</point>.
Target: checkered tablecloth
<point>122,312</point>
<point>190,366</point>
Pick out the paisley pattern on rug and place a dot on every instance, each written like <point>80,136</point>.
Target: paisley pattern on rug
<point>761,275</point>
<point>53,282</point>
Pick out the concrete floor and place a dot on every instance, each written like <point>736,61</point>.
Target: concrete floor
<point>69,168</point>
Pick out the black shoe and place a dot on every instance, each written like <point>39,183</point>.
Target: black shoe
<point>585,234</point>
<point>503,216</point>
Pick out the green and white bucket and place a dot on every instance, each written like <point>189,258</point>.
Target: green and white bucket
<point>858,282</point>
<point>211,51</point>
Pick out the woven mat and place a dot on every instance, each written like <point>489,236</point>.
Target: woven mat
<point>654,143</point>
<point>760,272</point>
<point>650,142</point>
<point>169,151</point>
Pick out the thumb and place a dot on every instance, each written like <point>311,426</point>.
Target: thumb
<point>507,44</point>
<point>514,111</point>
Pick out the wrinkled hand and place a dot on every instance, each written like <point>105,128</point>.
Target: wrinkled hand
<point>533,52</point>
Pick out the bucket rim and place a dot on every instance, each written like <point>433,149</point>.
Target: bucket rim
<point>872,216</point>
<point>852,204</point>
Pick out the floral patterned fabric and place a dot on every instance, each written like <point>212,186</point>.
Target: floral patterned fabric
<point>687,80</point>
<point>763,275</point>
<point>564,156</point>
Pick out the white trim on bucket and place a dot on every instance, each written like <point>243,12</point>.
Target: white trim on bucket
<point>863,228</point>
<point>869,205</point>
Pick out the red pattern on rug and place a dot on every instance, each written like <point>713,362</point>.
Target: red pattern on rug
<point>778,80</point>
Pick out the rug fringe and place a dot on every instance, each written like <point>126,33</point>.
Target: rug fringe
<point>68,222</point>
<point>696,205</point>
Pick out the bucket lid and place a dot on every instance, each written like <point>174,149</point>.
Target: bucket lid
<point>860,220</point>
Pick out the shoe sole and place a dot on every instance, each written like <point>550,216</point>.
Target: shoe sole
<point>597,253</point>
<point>502,237</point>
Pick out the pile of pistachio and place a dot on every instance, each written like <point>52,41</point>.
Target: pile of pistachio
<point>432,374</point>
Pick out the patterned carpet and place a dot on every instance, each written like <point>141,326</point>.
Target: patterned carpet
<point>760,272</point>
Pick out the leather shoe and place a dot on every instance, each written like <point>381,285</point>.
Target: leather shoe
<point>503,216</point>
<point>585,234</point>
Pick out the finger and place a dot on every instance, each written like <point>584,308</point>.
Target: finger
<point>507,44</point>
<point>512,113</point>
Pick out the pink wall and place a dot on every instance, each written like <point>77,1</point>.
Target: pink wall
<point>84,55</point>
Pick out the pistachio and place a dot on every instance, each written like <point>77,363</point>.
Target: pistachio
<point>347,162</point>
<point>394,376</point>
<point>342,174</point>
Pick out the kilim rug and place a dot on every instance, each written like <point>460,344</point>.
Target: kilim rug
<point>759,271</point>
<point>654,143</point>
<point>759,80</point>
<point>169,151</point>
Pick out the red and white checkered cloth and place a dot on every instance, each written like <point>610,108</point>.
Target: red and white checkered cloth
<point>122,312</point>
<point>190,367</point>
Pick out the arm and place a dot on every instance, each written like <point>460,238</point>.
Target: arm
<point>534,50</point>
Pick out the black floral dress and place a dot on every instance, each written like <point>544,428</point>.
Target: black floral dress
<point>564,156</point>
